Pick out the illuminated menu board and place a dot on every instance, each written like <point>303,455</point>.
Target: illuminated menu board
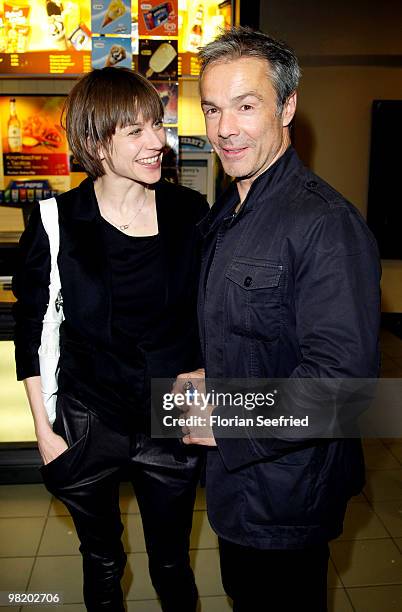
<point>199,23</point>
<point>45,37</point>
<point>33,144</point>
<point>57,37</point>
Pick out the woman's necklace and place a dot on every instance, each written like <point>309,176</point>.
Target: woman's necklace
<point>125,226</point>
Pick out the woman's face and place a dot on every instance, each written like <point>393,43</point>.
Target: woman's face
<point>136,152</point>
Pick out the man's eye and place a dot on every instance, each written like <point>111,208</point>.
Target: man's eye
<point>210,111</point>
<point>246,107</point>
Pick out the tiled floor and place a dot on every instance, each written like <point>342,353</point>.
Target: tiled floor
<point>39,548</point>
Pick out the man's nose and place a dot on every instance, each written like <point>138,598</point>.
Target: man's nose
<point>227,125</point>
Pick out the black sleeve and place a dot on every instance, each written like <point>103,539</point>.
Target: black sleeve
<point>31,288</point>
<point>338,300</point>
<point>338,309</point>
<point>202,209</point>
<point>201,206</point>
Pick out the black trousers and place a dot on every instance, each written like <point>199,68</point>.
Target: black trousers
<point>86,479</point>
<point>275,580</point>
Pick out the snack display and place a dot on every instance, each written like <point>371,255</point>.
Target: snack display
<point>168,93</point>
<point>33,142</point>
<point>14,136</point>
<point>195,37</point>
<point>32,122</point>
<point>158,18</point>
<point>116,55</point>
<point>16,26</point>
<point>115,10</point>
<point>39,130</point>
<point>200,21</point>
<point>158,15</point>
<point>44,36</point>
<point>81,37</point>
<point>53,37</point>
<point>161,59</point>
<point>111,51</point>
<point>111,17</point>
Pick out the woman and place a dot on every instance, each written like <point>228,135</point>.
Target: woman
<point>128,266</point>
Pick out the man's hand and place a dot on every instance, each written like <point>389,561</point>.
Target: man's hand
<point>197,378</point>
<point>200,433</point>
<point>200,441</point>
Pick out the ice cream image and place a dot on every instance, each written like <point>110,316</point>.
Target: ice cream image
<point>157,15</point>
<point>56,28</point>
<point>115,10</point>
<point>162,57</point>
<point>117,54</point>
<point>80,38</point>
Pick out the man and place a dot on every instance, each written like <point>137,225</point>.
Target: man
<point>290,290</point>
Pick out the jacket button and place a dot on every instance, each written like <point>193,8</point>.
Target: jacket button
<point>312,184</point>
<point>248,281</point>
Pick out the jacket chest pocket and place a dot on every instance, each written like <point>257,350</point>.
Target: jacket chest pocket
<point>253,298</point>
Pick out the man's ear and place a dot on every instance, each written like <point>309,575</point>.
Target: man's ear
<point>289,109</point>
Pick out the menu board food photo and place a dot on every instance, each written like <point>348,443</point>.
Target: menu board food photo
<point>157,18</point>
<point>61,37</point>
<point>33,143</point>
<point>45,37</point>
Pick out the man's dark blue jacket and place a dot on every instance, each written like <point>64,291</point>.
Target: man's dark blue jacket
<point>289,289</point>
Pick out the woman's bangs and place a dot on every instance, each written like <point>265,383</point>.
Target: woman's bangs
<point>144,106</point>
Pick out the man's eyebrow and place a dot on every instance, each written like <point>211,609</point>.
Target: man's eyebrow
<point>248,94</point>
<point>239,98</point>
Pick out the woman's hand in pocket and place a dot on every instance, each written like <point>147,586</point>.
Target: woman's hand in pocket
<point>51,445</point>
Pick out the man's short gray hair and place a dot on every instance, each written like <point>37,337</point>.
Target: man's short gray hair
<point>245,42</point>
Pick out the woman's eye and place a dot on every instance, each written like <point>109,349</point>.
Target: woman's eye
<point>135,132</point>
<point>158,124</point>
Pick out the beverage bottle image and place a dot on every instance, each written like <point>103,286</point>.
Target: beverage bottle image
<point>14,133</point>
<point>195,38</point>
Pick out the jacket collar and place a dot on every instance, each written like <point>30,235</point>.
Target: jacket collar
<point>80,204</point>
<point>275,178</point>
<point>222,208</point>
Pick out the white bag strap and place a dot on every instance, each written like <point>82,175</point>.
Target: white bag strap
<point>49,350</point>
<point>50,218</point>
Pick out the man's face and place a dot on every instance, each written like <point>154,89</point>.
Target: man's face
<point>239,105</point>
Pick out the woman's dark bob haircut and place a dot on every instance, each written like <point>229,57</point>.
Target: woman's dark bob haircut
<point>99,103</point>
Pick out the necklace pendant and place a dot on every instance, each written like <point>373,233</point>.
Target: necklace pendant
<point>123,227</point>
